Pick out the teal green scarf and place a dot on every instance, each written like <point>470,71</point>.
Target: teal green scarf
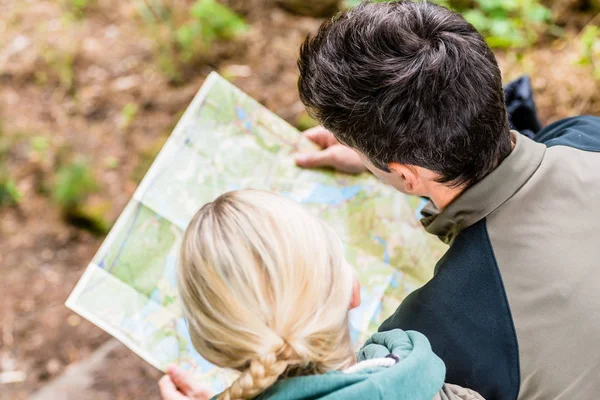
<point>418,376</point>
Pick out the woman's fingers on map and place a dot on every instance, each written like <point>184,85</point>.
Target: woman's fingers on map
<point>184,382</point>
<point>168,390</point>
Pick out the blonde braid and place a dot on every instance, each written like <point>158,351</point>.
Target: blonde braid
<point>261,374</point>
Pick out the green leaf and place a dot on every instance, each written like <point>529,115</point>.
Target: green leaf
<point>502,27</point>
<point>498,5</point>
<point>505,41</point>
<point>39,143</point>
<point>477,19</point>
<point>218,18</point>
<point>589,36</point>
<point>588,40</point>
<point>351,3</point>
<point>184,36</point>
<point>537,13</point>
<point>444,3</point>
<point>80,4</point>
<point>128,114</point>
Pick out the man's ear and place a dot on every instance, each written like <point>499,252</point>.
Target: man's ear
<point>408,174</point>
<point>355,300</point>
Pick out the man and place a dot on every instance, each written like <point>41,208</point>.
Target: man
<point>415,94</point>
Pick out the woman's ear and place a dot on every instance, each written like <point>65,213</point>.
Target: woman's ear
<point>355,300</point>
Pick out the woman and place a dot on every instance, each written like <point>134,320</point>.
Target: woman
<point>266,290</point>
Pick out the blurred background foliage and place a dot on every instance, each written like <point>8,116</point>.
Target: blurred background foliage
<point>91,89</point>
<point>186,35</point>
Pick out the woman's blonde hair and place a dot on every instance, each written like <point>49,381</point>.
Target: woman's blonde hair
<point>265,290</point>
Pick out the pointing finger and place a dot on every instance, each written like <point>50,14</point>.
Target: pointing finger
<point>323,158</point>
<point>320,136</point>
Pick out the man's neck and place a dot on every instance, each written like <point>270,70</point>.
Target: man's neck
<point>443,195</point>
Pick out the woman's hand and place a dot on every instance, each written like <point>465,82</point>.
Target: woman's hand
<point>333,153</point>
<point>178,384</point>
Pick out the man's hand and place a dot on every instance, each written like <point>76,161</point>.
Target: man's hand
<point>333,154</point>
<point>179,385</point>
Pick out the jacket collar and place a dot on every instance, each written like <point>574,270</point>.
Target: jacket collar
<point>487,195</point>
<point>418,375</point>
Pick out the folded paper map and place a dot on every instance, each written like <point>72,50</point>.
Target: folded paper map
<point>227,141</point>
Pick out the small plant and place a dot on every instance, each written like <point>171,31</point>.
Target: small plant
<point>128,114</point>
<point>77,7</point>
<point>40,146</point>
<point>39,143</point>
<point>210,21</point>
<point>508,23</point>
<point>504,23</point>
<point>73,191</point>
<point>111,162</point>
<point>73,183</point>
<point>185,35</point>
<point>58,66</point>
<point>589,42</point>
<point>10,194</point>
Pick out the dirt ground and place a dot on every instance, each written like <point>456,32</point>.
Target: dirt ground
<point>69,82</point>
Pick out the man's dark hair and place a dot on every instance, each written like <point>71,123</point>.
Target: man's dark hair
<point>412,83</point>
